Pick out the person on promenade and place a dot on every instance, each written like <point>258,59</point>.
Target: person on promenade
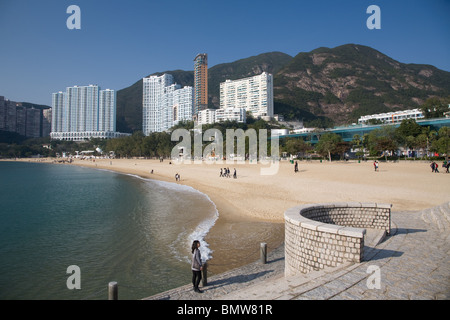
<point>235,174</point>
<point>375,165</point>
<point>196,265</point>
<point>296,166</point>
<point>432,166</point>
<point>221,172</point>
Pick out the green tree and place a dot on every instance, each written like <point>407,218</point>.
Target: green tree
<point>294,146</point>
<point>341,148</point>
<point>408,127</point>
<point>435,107</point>
<point>442,143</point>
<point>382,140</point>
<point>327,144</point>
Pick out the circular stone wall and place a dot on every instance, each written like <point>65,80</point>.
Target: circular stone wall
<point>320,235</point>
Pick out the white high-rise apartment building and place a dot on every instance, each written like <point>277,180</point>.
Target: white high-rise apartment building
<point>165,103</point>
<point>82,107</point>
<point>107,110</point>
<point>183,104</point>
<point>255,94</point>
<point>82,112</point>
<point>58,100</point>
<point>152,101</point>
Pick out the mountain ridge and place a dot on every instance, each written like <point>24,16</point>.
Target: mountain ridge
<point>325,86</point>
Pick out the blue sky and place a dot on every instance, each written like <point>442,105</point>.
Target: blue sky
<point>122,41</point>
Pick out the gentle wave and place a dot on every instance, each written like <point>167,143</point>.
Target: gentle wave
<point>200,232</point>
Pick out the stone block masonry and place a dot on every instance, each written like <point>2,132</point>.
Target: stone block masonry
<point>321,235</point>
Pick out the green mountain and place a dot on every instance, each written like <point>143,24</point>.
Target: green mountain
<point>327,86</point>
<point>349,81</point>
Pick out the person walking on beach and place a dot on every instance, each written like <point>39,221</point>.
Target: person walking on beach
<point>221,172</point>
<point>235,174</point>
<point>196,265</point>
<point>296,166</point>
<point>432,166</point>
<point>375,165</point>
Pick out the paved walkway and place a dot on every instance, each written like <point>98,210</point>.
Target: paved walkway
<point>413,263</point>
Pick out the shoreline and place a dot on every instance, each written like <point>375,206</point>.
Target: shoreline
<point>251,207</point>
<point>230,217</point>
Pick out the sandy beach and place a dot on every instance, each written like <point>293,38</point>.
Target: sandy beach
<point>251,207</point>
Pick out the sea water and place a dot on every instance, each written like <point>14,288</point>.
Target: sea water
<point>114,227</point>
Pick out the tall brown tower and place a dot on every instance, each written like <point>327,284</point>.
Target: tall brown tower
<point>200,83</point>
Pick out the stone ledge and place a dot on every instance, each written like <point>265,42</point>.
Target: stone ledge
<point>352,232</point>
<point>327,234</point>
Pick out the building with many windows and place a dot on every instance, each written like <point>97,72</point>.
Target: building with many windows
<point>165,103</point>
<point>82,112</point>
<point>26,119</point>
<point>107,110</point>
<point>206,116</point>
<point>200,82</point>
<point>255,94</point>
<point>231,114</point>
<point>183,104</point>
<point>392,117</point>
<point>58,103</point>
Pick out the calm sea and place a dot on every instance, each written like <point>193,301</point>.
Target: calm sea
<point>114,227</point>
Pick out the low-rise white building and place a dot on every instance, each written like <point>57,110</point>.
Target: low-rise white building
<point>231,114</point>
<point>279,132</point>
<point>206,116</point>
<point>86,135</point>
<point>392,117</point>
<point>304,130</point>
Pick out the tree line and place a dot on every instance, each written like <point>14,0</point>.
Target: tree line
<point>380,142</point>
<point>387,139</point>
<point>383,141</point>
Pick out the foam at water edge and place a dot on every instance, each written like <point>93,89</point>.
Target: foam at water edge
<point>202,229</point>
<point>200,233</point>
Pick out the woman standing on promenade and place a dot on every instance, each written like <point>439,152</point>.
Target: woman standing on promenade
<point>196,265</point>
